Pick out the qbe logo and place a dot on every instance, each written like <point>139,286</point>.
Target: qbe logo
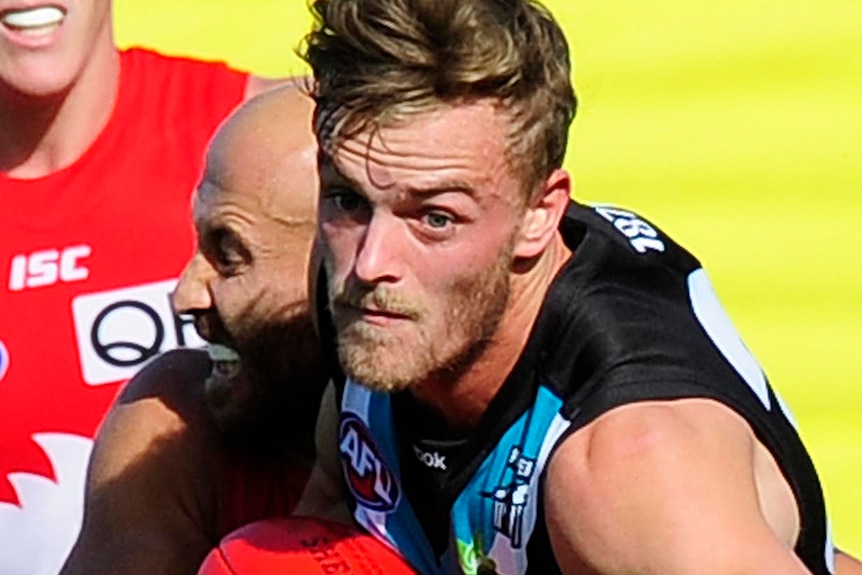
<point>369,478</point>
<point>119,331</point>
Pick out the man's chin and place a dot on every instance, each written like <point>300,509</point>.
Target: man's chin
<point>377,378</point>
<point>38,79</point>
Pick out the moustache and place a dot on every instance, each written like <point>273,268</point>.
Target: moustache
<point>211,328</point>
<point>377,298</point>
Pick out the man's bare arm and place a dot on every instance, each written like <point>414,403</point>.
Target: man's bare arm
<point>668,488</point>
<point>258,84</point>
<point>146,506</point>
<point>846,565</point>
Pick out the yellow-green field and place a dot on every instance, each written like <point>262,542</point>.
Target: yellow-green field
<point>734,125</point>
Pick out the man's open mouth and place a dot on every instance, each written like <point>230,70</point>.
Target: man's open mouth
<point>35,21</point>
<point>226,361</point>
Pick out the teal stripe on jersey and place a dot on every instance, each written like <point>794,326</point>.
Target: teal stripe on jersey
<point>398,527</point>
<point>494,516</point>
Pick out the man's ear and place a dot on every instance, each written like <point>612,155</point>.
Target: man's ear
<point>542,217</point>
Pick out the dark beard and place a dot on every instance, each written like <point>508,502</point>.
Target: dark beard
<point>282,380</point>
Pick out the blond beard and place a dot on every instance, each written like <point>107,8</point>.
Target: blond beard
<point>383,361</point>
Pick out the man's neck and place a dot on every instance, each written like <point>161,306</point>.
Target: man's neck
<point>44,135</point>
<point>463,402</point>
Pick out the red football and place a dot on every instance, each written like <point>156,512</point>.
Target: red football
<point>302,546</point>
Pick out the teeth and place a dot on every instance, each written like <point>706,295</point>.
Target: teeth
<point>219,352</point>
<point>34,17</point>
<point>226,361</point>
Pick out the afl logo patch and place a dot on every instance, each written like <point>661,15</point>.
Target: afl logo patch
<point>4,360</point>
<point>371,482</point>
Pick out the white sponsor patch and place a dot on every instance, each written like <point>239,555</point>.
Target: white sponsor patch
<point>119,331</point>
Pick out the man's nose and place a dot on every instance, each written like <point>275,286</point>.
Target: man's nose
<point>378,257</point>
<point>192,293</point>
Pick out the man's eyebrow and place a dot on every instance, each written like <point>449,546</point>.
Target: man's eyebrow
<point>444,187</point>
<point>329,168</point>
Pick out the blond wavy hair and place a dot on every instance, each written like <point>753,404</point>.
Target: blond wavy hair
<point>375,61</point>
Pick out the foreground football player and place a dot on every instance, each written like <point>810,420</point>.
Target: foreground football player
<point>530,385</point>
<point>199,444</point>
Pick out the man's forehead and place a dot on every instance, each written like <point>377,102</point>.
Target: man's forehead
<point>231,175</point>
<point>212,193</point>
<point>283,202</point>
<point>203,199</point>
<point>229,161</point>
<point>435,152</point>
<point>471,129</point>
<point>246,159</point>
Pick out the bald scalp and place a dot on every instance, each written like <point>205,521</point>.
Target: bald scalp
<point>267,148</point>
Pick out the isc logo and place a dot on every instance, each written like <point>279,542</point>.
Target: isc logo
<point>369,479</point>
<point>48,267</point>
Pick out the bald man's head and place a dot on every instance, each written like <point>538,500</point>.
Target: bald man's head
<point>255,212</point>
<point>267,148</point>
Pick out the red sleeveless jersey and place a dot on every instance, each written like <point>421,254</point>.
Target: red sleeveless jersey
<point>88,258</point>
<point>258,488</point>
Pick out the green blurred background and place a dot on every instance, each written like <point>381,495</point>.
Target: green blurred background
<point>735,125</point>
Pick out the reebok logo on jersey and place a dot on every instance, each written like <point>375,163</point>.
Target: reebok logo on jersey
<point>49,267</point>
<point>371,482</point>
<point>431,459</point>
<point>120,330</point>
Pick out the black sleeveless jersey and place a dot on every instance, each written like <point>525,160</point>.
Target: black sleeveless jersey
<point>630,317</point>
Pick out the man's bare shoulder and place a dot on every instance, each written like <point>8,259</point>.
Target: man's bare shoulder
<point>164,403</point>
<point>177,376</point>
<point>151,487</point>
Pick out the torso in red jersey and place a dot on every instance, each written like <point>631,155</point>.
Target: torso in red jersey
<point>88,258</point>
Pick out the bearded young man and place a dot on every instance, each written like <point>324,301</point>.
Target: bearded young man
<point>530,385</point>
<point>199,445</point>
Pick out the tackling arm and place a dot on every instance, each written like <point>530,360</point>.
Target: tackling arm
<point>671,488</point>
<point>846,565</point>
<point>147,501</point>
